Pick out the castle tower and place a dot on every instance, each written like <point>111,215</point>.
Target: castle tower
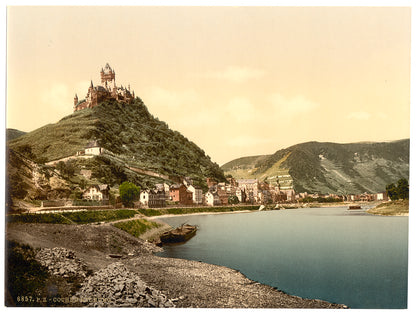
<point>107,75</point>
<point>75,100</point>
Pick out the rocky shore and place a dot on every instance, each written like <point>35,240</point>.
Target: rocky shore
<point>116,286</point>
<point>117,270</point>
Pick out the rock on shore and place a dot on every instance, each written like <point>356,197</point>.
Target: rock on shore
<point>115,286</point>
<point>61,262</point>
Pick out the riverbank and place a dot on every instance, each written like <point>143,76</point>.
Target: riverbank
<point>198,213</point>
<point>391,208</point>
<point>185,283</point>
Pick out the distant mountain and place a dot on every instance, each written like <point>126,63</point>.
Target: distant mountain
<point>330,167</point>
<point>135,145</point>
<point>13,133</point>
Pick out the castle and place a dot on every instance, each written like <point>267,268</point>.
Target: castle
<point>108,90</point>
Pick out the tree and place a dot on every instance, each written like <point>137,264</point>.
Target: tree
<point>403,188</point>
<point>391,190</point>
<point>399,191</point>
<point>128,193</point>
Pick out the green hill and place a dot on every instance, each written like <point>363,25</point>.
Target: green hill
<point>132,139</point>
<point>13,133</point>
<point>331,167</point>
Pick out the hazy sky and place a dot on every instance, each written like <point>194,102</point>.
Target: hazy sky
<point>237,81</point>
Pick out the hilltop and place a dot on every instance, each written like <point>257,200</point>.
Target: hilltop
<point>326,167</point>
<point>13,133</point>
<point>132,139</point>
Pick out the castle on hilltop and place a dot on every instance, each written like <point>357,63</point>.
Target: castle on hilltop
<point>108,90</point>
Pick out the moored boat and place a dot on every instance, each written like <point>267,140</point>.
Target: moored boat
<point>354,207</point>
<point>180,234</point>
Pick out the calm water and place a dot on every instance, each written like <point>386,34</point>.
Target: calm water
<point>355,259</point>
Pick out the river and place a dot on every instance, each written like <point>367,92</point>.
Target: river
<point>331,254</point>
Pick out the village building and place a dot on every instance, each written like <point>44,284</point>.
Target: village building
<point>157,198</point>
<point>180,194</point>
<point>93,148</point>
<point>290,195</point>
<point>265,197</point>
<point>108,90</point>
<point>187,181</point>
<point>197,195</point>
<point>381,196</point>
<point>97,192</point>
<point>251,188</point>
<point>144,197</point>
<point>212,198</point>
<point>166,189</point>
<point>224,192</point>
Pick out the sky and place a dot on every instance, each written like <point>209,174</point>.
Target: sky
<point>237,81</point>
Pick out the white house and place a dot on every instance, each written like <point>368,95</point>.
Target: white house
<point>144,197</point>
<point>97,192</point>
<point>212,198</point>
<point>93,148</point>
<point>381,196</point>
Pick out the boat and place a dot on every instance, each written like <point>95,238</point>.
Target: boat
<point>178,235</point>
<point>354,207</point>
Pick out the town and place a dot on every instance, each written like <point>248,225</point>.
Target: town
<point>240,191</point>
<point>276,190</point>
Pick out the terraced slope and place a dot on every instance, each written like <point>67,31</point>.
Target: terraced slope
<point>331,167</point>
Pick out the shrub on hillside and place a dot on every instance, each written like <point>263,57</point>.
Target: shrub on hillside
<point>129,192</point>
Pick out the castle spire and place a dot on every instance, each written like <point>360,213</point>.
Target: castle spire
<point>92,85</point>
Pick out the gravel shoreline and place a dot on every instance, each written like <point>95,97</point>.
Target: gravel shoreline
<point>151,281</point>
